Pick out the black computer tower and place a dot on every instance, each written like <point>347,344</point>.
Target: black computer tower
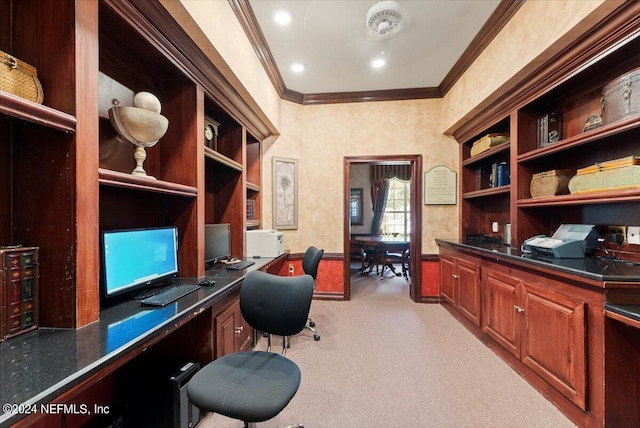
<point>185,414</point>
<point>155,393</point>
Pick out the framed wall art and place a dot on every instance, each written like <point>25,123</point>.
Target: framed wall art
<point>285,193</point>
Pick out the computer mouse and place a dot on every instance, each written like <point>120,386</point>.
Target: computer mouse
<point>207,282</point>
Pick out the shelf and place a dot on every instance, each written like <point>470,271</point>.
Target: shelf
<point>593,136</point>
<point>253,224</point>
<point>222,159</point>
<point>29,111</point>
<point>492,191</point>
<point>487,154</point>
<point>120,179</point>
<point>253,187</point>
<point>614,196</point>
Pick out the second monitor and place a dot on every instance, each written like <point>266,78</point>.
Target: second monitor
<point>217,242</point>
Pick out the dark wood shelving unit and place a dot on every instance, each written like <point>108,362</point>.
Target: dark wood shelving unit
<point>66,165</point>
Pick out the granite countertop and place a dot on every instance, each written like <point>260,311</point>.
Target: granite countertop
<point>596,268</point>
<point>38,366</point>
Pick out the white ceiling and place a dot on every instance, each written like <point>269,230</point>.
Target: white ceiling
<point>329,37</point>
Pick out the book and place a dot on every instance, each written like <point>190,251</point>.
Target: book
<point>18,290</point>
<point>488,141</point>
<point>503,176</point>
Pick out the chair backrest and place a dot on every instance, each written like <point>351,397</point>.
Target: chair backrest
<point>311,260</point>
<point>276,304</point>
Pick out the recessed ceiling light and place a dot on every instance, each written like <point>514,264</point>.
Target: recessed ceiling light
<point>378,63</point>
<point>282,16</point>
<point>298,67</point>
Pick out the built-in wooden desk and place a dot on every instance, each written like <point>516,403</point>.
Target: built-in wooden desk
<point>76,374</point>
<point>568,326</point>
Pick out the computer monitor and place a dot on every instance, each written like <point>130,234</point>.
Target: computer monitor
<point>217,242</point>
<point>136,258</point>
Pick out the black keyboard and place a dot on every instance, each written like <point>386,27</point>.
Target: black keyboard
<point>241,265</point>
<point>169,295</point>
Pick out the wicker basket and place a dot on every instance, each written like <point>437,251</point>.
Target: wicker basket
<point>621,97</point>
<point>19,78</point>
<point>550,183</point>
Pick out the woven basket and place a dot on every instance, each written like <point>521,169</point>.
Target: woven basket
<point>20,79</point>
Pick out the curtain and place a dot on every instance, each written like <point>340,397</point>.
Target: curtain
<point>379,193</point>
<point>380,176</point>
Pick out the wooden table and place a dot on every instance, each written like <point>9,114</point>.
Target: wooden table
<point>378,247</point>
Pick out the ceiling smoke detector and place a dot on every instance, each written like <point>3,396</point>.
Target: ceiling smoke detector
<point>384,19</point>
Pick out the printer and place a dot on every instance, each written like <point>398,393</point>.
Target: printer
<point>264,243</point>
<point>570,241</point>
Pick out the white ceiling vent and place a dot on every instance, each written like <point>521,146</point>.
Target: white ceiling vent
<point>384,19</point>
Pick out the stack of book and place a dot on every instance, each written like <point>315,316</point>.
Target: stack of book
<point>500,175</point>
<point>251,209</point>
<point>487,142</point>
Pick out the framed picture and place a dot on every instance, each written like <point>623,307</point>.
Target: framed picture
<point>285,193</point>
<point>355,207</point>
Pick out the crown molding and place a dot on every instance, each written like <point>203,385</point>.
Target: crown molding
<point>243,11</point>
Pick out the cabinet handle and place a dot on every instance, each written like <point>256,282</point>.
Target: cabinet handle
<point>455,276</point>
<point>518,308</point>
<point>239,329</point>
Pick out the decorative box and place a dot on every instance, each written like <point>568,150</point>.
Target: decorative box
<point>617,174</point>
<point>550,183</point>
<point>19,78</point>
<point>18,290</point>
<point>621,97</point>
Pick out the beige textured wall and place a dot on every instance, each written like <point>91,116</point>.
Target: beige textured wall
<point>323,135</point>
<point>320,136</point>
<point>540,29</point>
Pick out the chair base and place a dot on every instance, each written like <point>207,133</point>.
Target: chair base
<point>255,425</point>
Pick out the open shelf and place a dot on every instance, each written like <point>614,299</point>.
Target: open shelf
<point>29,111</point>
<point>222,159</point>
<point>587,198</point>
<point>492,191</point>
<point>593,136</point>
<point>128,181</point>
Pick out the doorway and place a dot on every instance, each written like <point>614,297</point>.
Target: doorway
<point>415,228</point>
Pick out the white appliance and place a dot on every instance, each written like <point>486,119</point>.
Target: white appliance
<point>264,243</point>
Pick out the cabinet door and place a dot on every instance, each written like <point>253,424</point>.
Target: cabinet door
<point>554,341</point>
<point>500,319</point>
<point>225,331</point>
<point>447,278</point>
<point>233,334</point>
<point>468,278</point>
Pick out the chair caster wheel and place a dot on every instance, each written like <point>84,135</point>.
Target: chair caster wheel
<point>316,337</point>
<point>312,324</point>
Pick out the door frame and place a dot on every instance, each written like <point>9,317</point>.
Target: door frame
<point>415,245</point>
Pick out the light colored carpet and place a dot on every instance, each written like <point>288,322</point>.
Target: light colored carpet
<point>384,361</point>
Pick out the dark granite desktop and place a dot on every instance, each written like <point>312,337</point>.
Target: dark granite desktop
<point>597,268</point>
<point>40,365</point>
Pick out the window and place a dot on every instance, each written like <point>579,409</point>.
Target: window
<point>355,206</point>
<point>397,215</point>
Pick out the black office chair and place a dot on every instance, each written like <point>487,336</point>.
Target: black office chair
<point>310,261</point>
<point>255,386</point>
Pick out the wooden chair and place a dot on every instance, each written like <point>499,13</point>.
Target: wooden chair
<point>395,253</point>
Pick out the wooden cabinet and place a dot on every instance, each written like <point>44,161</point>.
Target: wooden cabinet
<point>232,332</point>
<point>70,178</point>
<point>461,285</point>
<point>570,87</point>
<point>483,201</point>
<point>545,330</point>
